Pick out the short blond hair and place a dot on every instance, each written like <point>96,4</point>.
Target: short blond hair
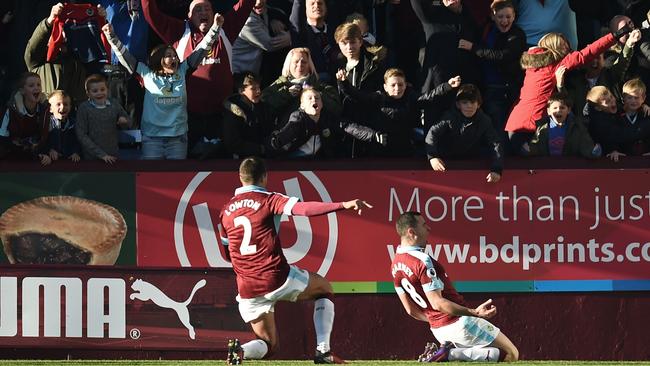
<point>598,92</point>
<point>634,85</point>
<point>59,93</point>
<point>394,72</point>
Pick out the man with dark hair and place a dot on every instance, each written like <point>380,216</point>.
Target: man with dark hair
<point>428,295</point>
<point>264,276</point>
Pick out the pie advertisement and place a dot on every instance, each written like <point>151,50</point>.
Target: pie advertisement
<point>78,219</point>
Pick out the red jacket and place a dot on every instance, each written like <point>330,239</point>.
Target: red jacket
<point>212,82</point>
<point>539,82</point>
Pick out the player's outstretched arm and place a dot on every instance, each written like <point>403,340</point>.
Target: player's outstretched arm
<point>357,205</point>
<point>314,208</point>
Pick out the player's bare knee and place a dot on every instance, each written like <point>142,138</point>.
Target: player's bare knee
<point>512,354</point>
<point>274,346</point>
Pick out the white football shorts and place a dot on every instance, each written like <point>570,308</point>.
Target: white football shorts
<point>296,283</point>
<point>467,331</point>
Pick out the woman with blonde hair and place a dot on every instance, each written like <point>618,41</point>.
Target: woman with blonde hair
<point>298,71</point>
<point>552,54</point>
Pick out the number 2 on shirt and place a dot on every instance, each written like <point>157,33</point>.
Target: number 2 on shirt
<point>246,248</point>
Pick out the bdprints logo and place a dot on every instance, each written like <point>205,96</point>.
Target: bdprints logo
<point>209,233</point>
<point>145,291</point>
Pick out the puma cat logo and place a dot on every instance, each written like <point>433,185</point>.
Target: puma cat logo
<point>146,291</point>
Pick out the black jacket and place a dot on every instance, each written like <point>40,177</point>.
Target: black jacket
<point>458,136</point>
<point>301,130</point>
<point>396,118</point>
<point>245,127</point>
<point>504,55</point>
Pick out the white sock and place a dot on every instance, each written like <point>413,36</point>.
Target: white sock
<point>474,354</point>
<point>323,323</point>
<point>255,349</point>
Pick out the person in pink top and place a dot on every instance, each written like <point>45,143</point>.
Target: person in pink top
<point>541,63</point>
<point>212,82</point>
<point>264,276</point>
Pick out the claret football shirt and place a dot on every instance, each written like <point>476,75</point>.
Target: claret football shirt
<point>416,273</point>
<point>249,223</point>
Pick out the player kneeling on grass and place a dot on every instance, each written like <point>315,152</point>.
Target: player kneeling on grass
<point>264,276</point>
<point>427,294</point>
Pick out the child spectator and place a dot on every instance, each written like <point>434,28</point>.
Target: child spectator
<point>246,120</point>
<point>20,129</point>
<point>164,118</point>
<point>634,94</point>
<point>98,120</point>
<point>560,133</point>
<point>361,21</point>
<point>363,67</point>
<point>500,48</point>
<point>606,124</point>
<point>58,137</point>
<point>391,118</point>
<point>541,63</point>
<point>298,71</point>
<point>310,132</point>
<point>465,131</point>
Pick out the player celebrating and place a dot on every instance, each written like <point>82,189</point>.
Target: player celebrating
<point>428,295</point>
<point>263,275</point>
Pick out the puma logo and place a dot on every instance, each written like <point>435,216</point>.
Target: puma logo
<point>146,291</point>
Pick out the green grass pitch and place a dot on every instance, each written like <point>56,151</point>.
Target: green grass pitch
<point>290,363</point>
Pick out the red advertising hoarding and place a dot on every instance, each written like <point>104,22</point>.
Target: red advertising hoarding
<point>118,308</point>
<point>531,226</point>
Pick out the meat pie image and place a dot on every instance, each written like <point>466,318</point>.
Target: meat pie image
<point>62,230</point>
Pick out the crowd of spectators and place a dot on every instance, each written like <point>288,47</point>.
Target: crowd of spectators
<point>304,79</point>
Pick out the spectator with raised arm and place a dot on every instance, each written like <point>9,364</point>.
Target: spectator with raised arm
<point>212,82</point>
<point>541,63</point>
<point>258,40</point>
<point>61,72</point>
<point>310,30</point>
<point>579,81</point>
<point>164,119</point>
<point>390,124</point>
<point>445,23</point>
